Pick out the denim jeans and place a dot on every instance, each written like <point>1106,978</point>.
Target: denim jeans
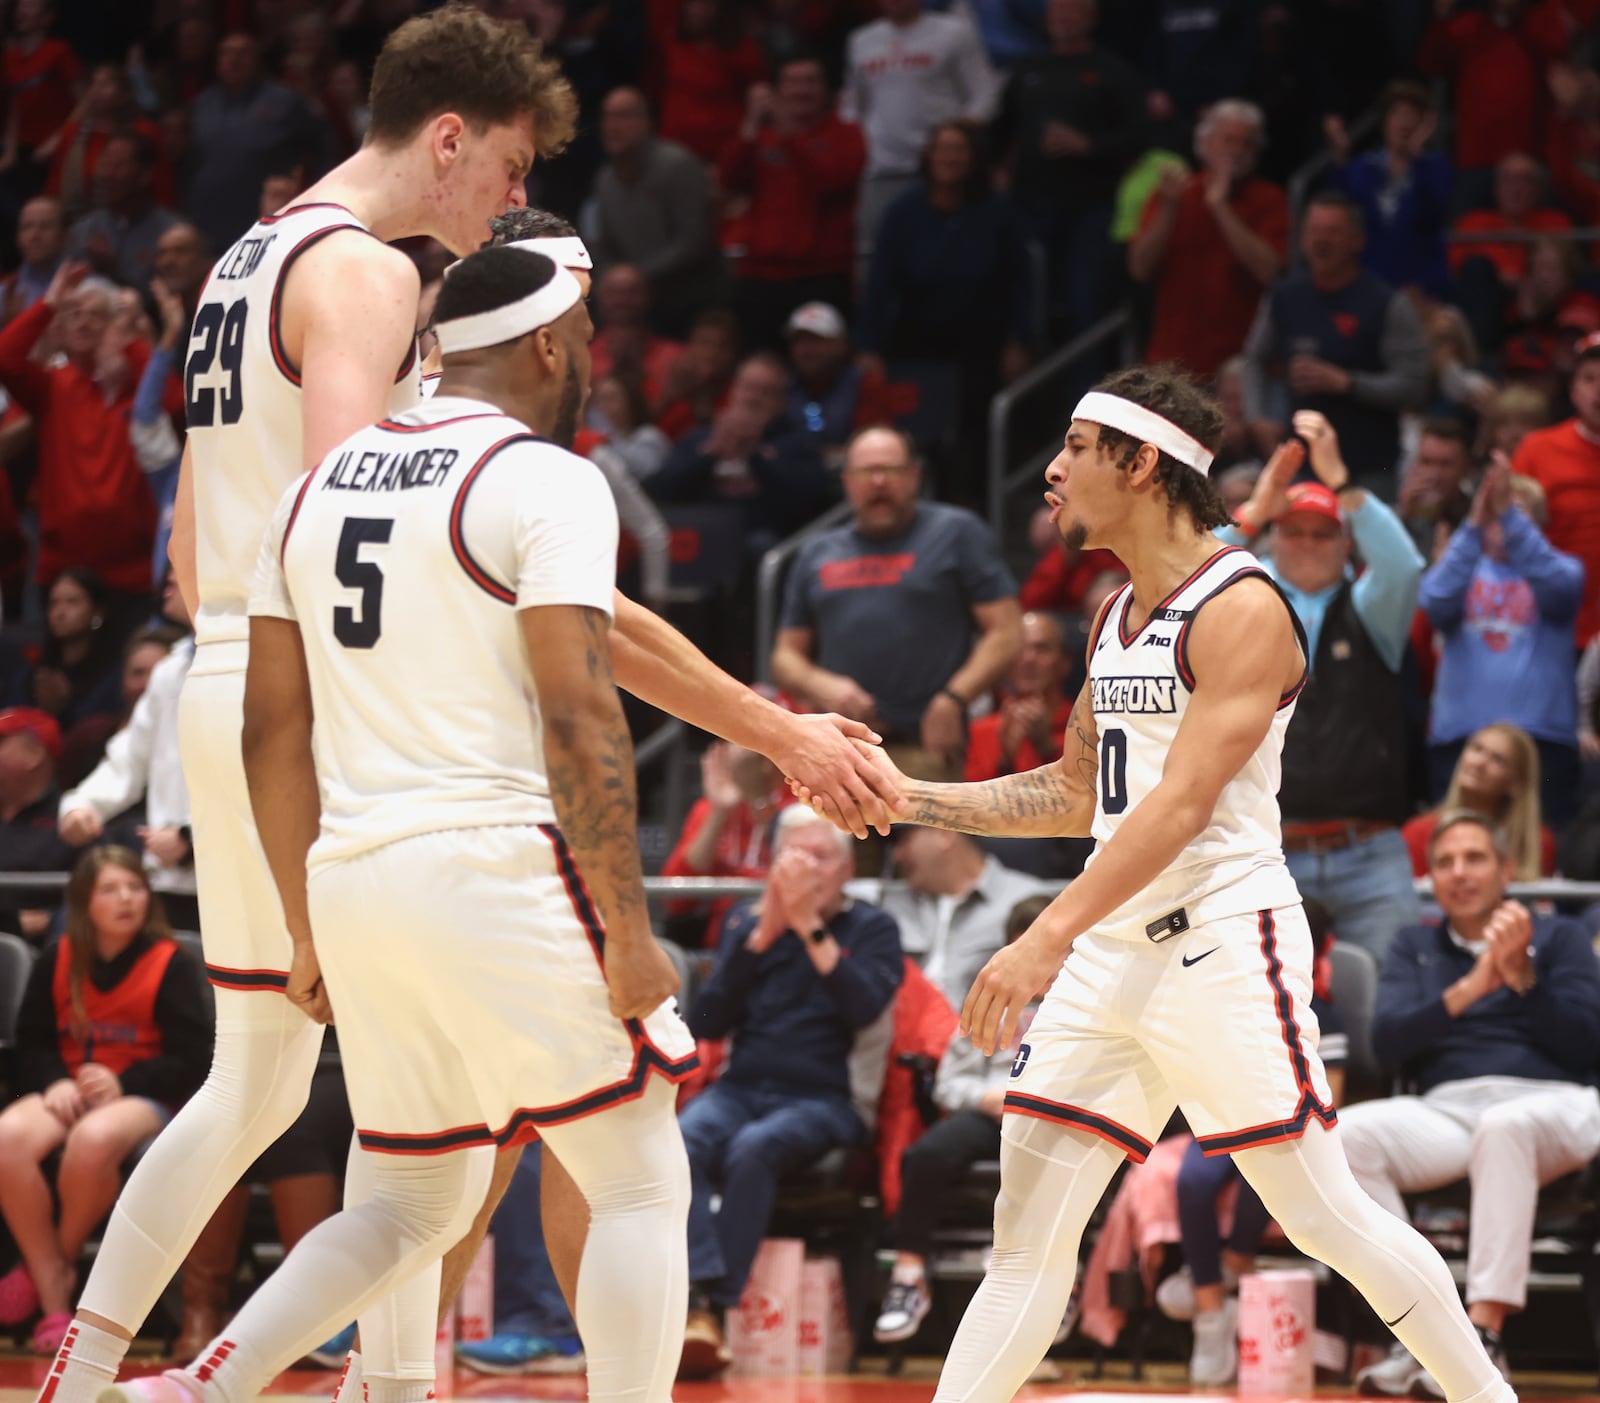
<point>745,1140</point>
<point>1366,888</point>
<point>527,1300</point>
<point>1200,1181</point>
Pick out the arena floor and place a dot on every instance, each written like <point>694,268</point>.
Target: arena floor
<point>20,1378</point>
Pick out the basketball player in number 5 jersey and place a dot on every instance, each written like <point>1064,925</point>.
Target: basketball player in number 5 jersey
<point>1178,966</point>
<point>304,333</point>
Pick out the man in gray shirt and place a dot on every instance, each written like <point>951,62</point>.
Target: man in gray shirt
<point>954,905</point>
<point>119,237</point>
<point>903,618</point>
<point>246,128</point>
<point>654,209</point>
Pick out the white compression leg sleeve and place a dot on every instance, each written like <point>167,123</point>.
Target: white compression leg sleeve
<point>397,1332</point>
<point>1306,1184</point>
<point>633,1282</point>
<point>420,1208</point>
<point>1051,1179</point>
<point>266,1052</point>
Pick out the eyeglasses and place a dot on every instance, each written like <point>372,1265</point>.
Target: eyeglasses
<point>880,470</point>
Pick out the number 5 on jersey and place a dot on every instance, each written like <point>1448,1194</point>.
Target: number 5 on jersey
<point>361,629</point>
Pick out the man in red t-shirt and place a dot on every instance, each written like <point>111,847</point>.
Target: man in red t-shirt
<point>1211,243</point>
<point>1027,730</point>
<point>1565,461</point>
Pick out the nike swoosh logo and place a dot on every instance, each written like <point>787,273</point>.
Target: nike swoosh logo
<point>1392,1323</point>
<point>1196,960</point>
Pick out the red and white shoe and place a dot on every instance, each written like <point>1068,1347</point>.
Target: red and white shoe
<point>174,1386</point>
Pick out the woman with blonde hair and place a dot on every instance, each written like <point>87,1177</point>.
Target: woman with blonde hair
<point>1497,776</point>
<point>112,1037</point>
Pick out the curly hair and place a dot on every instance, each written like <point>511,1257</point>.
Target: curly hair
<point>528,222</point>
<point>1169,391</point>
<point>457,59</point>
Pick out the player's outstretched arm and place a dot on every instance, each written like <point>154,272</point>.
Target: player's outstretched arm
<point>660,666</point>
<point>1052,801</point>
<point>282,777</point>
<point>588,757</point>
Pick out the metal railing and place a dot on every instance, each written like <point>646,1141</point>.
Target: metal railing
<point>1051,374</point>
<point>1560,889</point>
<point>769,580</point>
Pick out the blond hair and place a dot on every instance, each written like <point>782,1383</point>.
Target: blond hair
<point>1519,819</point>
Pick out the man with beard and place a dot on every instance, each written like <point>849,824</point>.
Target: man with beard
<point>902,618</point>
<point>442,579</point>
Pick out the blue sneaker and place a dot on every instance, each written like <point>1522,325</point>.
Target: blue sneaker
<point>522,1354</point>
<point>331,1354</point>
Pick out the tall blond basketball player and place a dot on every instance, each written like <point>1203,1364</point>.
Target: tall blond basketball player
<point>305,333</point>
<point>1187,960</point>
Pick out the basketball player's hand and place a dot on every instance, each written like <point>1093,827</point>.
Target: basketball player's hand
<point>80,826</point>
<point>1004,988</point>
<point>1589,745</point>
<point>98,1084</point>
<point>64,1101</point>
<point>306,990</point>
<point>1510,935</point>
<point>640,977</point>
<point>834,764</point>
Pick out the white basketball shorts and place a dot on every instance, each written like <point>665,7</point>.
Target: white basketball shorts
<point>247,945</point>
<point>1217,1020</point>
<point>465,972</point>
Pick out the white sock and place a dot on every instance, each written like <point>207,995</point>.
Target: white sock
<point>908,1274</point>
<point>87,1362</point>
<point>397,1390</point>
<point>349,1387</point>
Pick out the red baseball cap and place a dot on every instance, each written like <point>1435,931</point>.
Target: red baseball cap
<point>1316,499</point>
<point>40,725</point>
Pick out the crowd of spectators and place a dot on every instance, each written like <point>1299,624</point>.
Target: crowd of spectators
<point>825,234</point>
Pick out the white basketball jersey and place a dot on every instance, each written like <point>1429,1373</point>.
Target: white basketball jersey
<point>405,556</point>
<point>1139,683</point>
<point>243,401</point>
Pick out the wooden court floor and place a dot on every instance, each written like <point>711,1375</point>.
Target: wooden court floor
<point>21,1377</point>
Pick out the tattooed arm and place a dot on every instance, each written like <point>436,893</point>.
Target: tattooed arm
<point>1053,801</point>
<point>588,757</point>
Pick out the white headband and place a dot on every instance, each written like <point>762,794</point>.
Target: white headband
<point>568,250</point>
<point>514,320</point>
<point>1146,425</point>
